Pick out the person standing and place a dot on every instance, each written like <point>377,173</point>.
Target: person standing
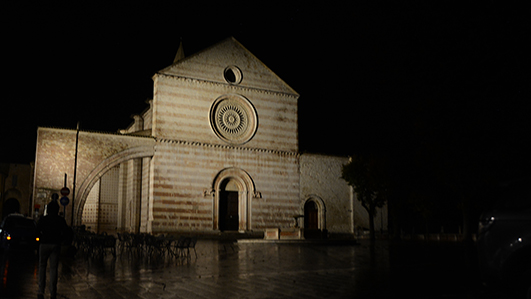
<point>53,231</point>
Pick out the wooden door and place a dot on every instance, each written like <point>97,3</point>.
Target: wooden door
<point>311,220</point>
<point>228,211</point>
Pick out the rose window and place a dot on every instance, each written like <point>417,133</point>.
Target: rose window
<point>233,119</point>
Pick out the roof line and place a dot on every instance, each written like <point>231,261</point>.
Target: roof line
<point>224,84</point>
<point>243,47</point>
<point>94,131</point>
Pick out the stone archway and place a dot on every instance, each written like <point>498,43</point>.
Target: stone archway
<point>228,210</point>
<point>11,205</point>
<point>314,215</point>
<point>101,169</point>
<point>241,181</point>
<point>13,193</point>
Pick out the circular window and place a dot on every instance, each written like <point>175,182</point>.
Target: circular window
<point>233,119</point>
<point>232,74</point>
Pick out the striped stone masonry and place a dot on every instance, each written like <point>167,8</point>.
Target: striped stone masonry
<point>184,194</point>
<point>216,150</point>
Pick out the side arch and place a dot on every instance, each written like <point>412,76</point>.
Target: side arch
<point>13,193</point>
<point>321,209</point>
<point>101,169</point>
<point>246,193</point>
<point>11,205</point>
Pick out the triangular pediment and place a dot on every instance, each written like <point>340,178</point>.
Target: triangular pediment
<point>228,62</point>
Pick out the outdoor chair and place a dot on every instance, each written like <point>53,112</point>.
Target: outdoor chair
<point>180,246</point>
<point>170,241</point>
<point>193,241</point>
<point>162,244</point>
<point>137,243</point>
<point>99,244</point>
<point>109,242</point>
<point>148,243</point>
<point>122,241</point>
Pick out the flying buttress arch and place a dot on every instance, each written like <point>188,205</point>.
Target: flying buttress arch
<point>101,169</point>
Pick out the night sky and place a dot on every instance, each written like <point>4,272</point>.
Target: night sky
<point>373,78</point>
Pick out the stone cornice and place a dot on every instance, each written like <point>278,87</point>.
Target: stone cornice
<point>221,146</point>
<point>231,86</point>
<point>97,132</point>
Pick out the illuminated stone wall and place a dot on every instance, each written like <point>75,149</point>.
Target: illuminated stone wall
<point>97,153</point>
<point>185,195</point>
<point>187,93</point>
<point>16,183</point>
<point>101,207</point>
<point>208,123</point>
<point>219,121</point>
<point>91,209</point>
<point>321,181</point>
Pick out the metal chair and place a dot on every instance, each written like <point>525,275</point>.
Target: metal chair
<point>193,241</point>
<point>179,246</point>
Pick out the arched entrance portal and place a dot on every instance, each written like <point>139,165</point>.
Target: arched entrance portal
<point>311,216</point>
<point>229,216</point>
<point>314,218</point>
<point>233,189</point>
<point>11,205</point>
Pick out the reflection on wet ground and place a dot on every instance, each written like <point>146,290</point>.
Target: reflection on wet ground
<point>226,270</point>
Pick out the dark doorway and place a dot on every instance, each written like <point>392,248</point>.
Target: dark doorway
<point>11,205</point>
<point>228,211</point>
<point>311,220</point>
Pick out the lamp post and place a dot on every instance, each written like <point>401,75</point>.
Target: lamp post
<point>75,174</point>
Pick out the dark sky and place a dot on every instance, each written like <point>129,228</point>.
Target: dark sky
<point>372,77</point>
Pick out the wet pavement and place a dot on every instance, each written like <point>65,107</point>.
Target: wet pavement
<point>228,270</point>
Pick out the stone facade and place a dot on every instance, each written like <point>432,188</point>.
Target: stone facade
<point>101,207</point>
<point>15,188</point>
<point>97,153</point>
<point>216,150</point>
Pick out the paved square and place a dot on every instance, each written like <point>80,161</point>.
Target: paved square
<point>227,270</point>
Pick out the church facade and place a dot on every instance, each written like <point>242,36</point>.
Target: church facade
<point>216,150</point>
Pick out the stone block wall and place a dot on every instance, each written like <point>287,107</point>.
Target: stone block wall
<point>101,207</point>
<point>145,210</point>
<point>109,200</point>
<point>202,130</point>
<point>209,66</point>
<point>184,198</point>
<point>133,195</point>
<point>17,183</point>
<point>91,209</point>
<point>321,179</point>
<point>181,111</point>
<point>56,153</point>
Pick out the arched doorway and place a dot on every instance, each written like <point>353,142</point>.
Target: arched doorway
<point>229,216</point>
<point>314,218</point>
<point>233,189</point>
<point>11,205</point>
<point>311,216</point>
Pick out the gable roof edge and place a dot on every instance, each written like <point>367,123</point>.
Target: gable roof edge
<point>166,69</point>
<point>265,66</point>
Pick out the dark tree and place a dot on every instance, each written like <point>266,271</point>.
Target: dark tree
<point>367,176</point>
